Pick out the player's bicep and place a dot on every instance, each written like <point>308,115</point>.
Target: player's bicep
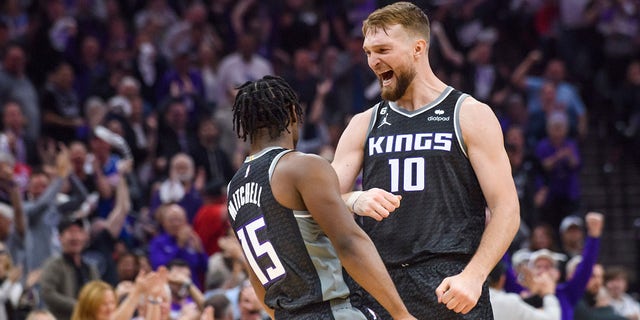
<point>485,148</point>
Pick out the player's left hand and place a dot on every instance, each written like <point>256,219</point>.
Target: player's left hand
<point>460,293</point>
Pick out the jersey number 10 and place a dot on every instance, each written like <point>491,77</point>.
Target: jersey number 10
<point>253,245</point>
<point>413,174</point>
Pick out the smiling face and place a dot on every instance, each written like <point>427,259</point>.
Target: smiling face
<point>390,55</point>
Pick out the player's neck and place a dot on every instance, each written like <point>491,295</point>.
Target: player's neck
<point>421,92</point>
<point>284,141</point>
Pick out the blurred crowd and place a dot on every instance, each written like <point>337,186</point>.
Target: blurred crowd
<point>117,139</point>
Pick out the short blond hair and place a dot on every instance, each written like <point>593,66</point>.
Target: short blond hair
<point>406,14</point>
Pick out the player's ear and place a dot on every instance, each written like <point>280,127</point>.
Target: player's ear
<point>292,112</point>
<point>419,47</point>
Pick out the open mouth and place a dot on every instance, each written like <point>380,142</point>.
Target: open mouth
<point>386,77</point>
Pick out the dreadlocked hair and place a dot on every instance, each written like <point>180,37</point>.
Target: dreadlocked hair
<point>264,103</point>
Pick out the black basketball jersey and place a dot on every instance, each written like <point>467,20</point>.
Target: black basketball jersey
<point>291,256</point>
<point>420,155</point>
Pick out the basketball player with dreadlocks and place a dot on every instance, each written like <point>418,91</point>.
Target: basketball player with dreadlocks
<point>432,159</point>
<point>286,211</point>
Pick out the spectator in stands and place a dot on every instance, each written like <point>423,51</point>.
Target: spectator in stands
<point>253,66</point>
<point>148,68</point>
<point>542,237</point>
<point>616,282</point>
<point>63,276</point>
<point>145,143</point>
<point>81,187</point>
<point>510,306</point>
<point>618,25</point>
<point>18,143</point>
<point>249,305</point>
<point>156,13</point>
<point>91,73</point>
<point>62,118</point>
<point>10,286</point>
<point>596,303</point>
<point>209,156</point>
<point>226,268</point>
<point>572,236</point>
<point>570,291</point>
<point>12,220</point>
<point>178,241</point>
<point>96,301</point>
<point>559,181</point>
<point>555,72</point>
<point>239,67</point>
<point>524,168</point>
<point>40,315</point>
<point>514,113</point>
<point>355,87</point>
<point>185,296</point>
<point>626,114</point>
<point>221,306</point>
<point>103,162</point>
<point>149,295</point>
<point>537,122</point>
<point>311,91</point>
<point>183,82</point>
<point>179,187</point>
<point>42,211</point>
<point>211,222</point>
<point>175,135</point>
<point>106,231</point>
<point>208,60</point>
<point>16,85</point>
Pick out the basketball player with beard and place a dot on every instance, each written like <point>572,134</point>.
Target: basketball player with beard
<point>432,160</point>
<point>285,208</point>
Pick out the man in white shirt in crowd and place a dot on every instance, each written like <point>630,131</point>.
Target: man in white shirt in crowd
<point>511,306</point>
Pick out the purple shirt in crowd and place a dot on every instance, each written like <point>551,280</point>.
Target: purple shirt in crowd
<point>164,248</point>
<point>563,180</point>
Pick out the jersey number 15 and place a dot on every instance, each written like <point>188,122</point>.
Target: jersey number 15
<point>254,249</point>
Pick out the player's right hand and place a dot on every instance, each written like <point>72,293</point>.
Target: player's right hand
<point>376,203</point>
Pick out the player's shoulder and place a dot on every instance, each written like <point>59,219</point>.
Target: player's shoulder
<point>472,108</point>
<point>365,116</point>
<point>297,160</point>
<point>363,119</point>
<point>477,121</point>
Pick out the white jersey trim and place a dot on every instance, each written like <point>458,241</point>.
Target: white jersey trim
<point>394,106</point>
<point>456,124</point>
<point>301,214</point>
<point>272,167</point>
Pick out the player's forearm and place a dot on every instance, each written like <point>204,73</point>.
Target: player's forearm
<point>361,260</point>
<point>497,237</point>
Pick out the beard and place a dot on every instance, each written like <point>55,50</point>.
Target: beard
<point>404,78</point>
